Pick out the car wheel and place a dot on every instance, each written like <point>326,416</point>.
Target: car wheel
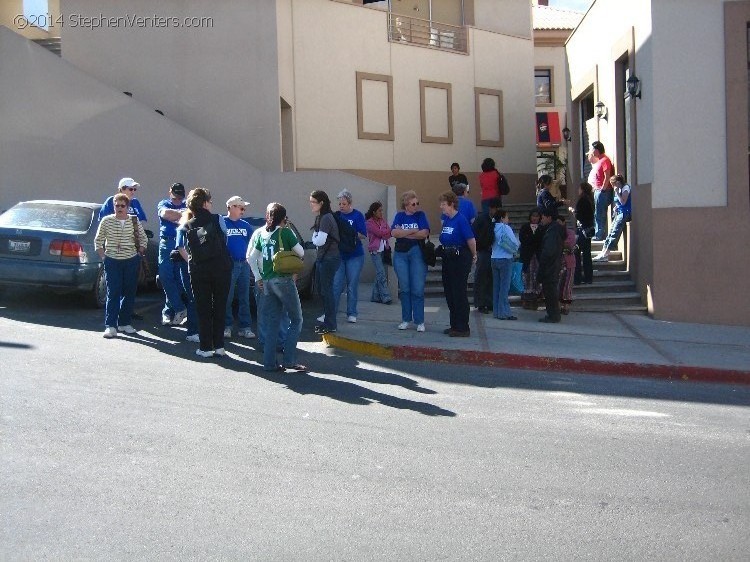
<point>98,295</point>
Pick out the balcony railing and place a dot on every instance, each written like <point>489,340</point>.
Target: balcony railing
<point>425,33</point>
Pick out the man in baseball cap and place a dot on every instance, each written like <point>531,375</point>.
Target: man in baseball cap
<point>128,186</point>
<point>239,232</point>
<point>170,212</point>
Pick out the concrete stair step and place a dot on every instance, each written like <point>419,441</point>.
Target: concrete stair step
<point>608,286</point>
<point>619,309</point>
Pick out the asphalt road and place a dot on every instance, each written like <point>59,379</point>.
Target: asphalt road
<point>133,449</point>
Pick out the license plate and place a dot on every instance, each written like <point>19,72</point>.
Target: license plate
<point>19,246</point>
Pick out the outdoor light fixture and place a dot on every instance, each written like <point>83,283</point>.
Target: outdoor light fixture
<point>566,134</point>
<point>601,110</point>
<point>633,87</point>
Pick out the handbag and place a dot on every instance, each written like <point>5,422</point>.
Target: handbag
<point>387,255</point>
<point>508,244</point>
<point>286,261</point>
<point>428,252</point>
<point>516,278</point>
<point>144,273</point>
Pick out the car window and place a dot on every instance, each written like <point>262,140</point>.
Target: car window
<point>48,215</point>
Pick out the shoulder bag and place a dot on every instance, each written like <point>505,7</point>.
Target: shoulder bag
<point>286,261</point>
<point>143,270</point>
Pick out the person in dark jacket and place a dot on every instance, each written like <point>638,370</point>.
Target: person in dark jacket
<point>530,236</point>
<point>209,276</point>
<point>584,212</point>
<point>545,199</point>
<point>483,227</point>
<point>550,263</point>
<point>457,177</point>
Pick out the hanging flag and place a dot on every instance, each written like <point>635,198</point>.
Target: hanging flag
<point>548,128</point>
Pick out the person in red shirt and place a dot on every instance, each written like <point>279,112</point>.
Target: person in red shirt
<point>488,182</point>
<point>601,171</point>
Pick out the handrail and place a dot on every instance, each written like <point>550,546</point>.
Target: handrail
<point>415,31</point>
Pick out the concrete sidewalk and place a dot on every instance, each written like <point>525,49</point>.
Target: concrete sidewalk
<point>596,343</point>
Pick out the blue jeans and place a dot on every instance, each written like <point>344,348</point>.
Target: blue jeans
<point>240,282</point>
<point>192,313</point>
<point>325,271</point>
<point>502,271</point>
<point>602,202</point>
<point>283,325</point>
<point>348,271</point>
<point>411,271</point>
<point>280,293</point>
<point>614,233</point>
<point>380,292</point>
<point>169,277</point>
<point>122,283</point>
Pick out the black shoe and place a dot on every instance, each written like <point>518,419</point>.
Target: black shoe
<point>549,320</point>
<point>509,318</point>
<point>459,334</point>
<point>136,316</point>
<point>447,331</point>
<point>322,330</point>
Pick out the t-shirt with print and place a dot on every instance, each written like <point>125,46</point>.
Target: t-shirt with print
<point>417,221</point>
<point>268,244</point>
<point>238,237</point>
<point>456,231</point>
<point>167,228</point>
<point>357,220</point>
<point>108,208</point>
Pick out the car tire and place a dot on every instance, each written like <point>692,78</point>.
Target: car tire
<point>98,294</point>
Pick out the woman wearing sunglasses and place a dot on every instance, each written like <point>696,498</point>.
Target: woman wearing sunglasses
<point>115,243</point>
<point>409,228</point>
<point>128,187</point>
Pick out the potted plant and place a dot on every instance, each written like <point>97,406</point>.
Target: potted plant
<point>551,164</point>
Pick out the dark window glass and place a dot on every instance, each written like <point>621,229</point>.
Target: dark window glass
<point>543,86</point>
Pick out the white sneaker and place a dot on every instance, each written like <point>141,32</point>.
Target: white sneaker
<point>352,319</point>
<point>246,333</point>
<point>127,329</point>
<point>227,332</point>
<point>601,257</point>
<point>165,320</point>
<point>321,318</point>
<point>201,353</point>
<point>420,327</point>
<point>403,325</point>
<point>109,332</point>
<point>179,317</point>
<point>194,338</point>
<point>220,352</point>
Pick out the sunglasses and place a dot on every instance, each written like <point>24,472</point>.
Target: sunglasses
<point>132,188</point>
<point>239,207</point>
<point>414,203</point>
<point>120,206</point>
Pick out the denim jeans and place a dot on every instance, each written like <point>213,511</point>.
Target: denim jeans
<point>122,283</point>
<point>325,271</point>
<point>283,325</point>
<point>380,292</point>
<point>348,272</point>
<point>192,313</point>
<point>502,271</point>
<point>169,277</point>
<point>411,271</point>
<point>280,293</point>
<point>240,282</point>
<point>614,233</point>
<point>602,202</point>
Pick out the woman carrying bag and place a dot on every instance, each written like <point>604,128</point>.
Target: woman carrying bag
<point>279,290</point>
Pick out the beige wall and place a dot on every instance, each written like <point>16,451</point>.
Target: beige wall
<point>326,104</point>
<point>509,17</point>
<point>219,81</point>
<point>65,135</point>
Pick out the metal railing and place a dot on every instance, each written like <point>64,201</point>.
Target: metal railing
<point>415,31</point>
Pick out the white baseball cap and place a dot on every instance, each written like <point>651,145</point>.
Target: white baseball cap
<point>127,182</point>
<point>237,200</point>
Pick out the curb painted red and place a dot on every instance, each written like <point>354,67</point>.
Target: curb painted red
<point>586,366</point>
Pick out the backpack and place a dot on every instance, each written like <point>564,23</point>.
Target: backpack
<point>484,231</point>
<point>503,187</point>
<point>206,242</point>
<point>347,234</point>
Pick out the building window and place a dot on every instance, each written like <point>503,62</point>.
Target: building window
<point>543,86</point>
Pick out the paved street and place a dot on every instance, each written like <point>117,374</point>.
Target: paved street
<point>132,449</point>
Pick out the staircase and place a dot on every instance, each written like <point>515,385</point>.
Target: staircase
<point>52,44</point>
<point>613,290</point>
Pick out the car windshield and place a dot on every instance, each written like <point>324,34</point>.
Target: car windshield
<point>48,216</point>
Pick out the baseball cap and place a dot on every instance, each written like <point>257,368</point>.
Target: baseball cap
<point>178,189</point>
<point>127,182</point>
<point>236,200</point>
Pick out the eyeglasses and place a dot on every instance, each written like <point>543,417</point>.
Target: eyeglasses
<point>414,203</point>
<point>132,188</point>
<point>239,207</point>
<point>120,206</point>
